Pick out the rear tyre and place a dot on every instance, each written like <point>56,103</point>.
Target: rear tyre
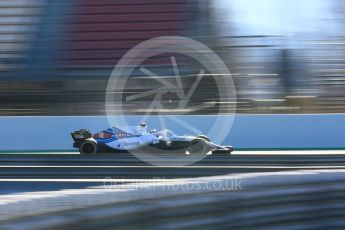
<point>88,147</point>
<point>198,147</point>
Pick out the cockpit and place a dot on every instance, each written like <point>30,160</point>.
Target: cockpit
<point>166,133</point>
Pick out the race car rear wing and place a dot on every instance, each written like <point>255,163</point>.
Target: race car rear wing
<point>79,136</point>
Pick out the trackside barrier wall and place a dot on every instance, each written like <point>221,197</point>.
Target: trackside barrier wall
<point>248,131</point>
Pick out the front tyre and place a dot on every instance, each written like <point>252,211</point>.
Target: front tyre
<point>198,147</point>
<point>88,147</point>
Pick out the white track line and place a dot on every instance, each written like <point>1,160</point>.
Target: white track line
<point>172,166</point>
<point>237,153</point>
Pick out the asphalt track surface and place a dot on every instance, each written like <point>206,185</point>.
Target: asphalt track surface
<point>59,189</point>
<point>69,170</point>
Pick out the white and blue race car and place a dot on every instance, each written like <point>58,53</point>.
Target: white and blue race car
<point>131,138</point>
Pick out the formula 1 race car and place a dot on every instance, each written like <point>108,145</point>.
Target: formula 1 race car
<point>131,138</point>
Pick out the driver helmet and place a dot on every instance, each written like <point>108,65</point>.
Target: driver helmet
<point>153,131</point>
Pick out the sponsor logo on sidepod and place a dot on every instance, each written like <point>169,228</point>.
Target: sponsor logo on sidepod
<point>128,144</point>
